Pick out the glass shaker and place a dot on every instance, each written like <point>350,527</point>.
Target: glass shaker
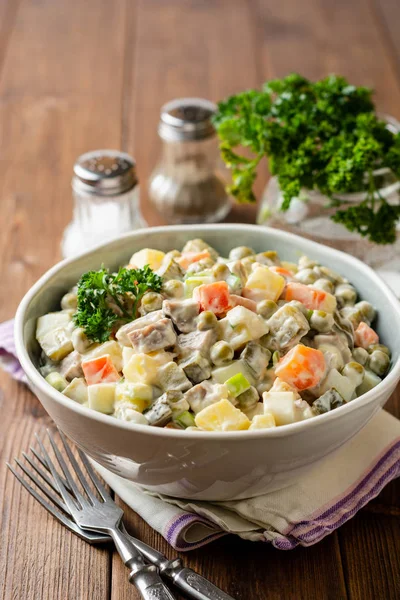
<point>185,187</point>
<point>106,200</point>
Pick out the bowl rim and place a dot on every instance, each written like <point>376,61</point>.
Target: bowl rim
<point>283,430</point>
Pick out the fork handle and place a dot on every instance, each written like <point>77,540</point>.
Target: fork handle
<point>149,583</point>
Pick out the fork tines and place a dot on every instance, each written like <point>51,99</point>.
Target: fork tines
<point>40,473</point>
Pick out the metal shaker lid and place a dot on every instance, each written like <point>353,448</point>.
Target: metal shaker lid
<point>104,173</point>
<point>186,119</point>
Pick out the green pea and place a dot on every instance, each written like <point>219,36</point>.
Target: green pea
<point>380,347</point>
<point>354,372</point>
<point>173,289</point>
<point>206,320</point>
<point>361,356</point>
<point>306,276</point>
<point>221,352</point>
<point>366,309</point>
<point>266,308</point>
<point>379,362</point>
<point>220,272</point>
<point>151,301</point>
<point>324,284</point>
<point>321,321</point>
<point>240,252</point>
<point>346,294</point>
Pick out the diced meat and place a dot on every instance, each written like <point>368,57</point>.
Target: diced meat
<point>240,301</point>
<point>183,313</point>
<point>123,332</point>
<point>71,366</point>
<point>155,336</point>
<point>204,394</point>
<point>196,341</point>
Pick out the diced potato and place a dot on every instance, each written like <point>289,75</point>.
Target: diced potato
<point>102,397</point>
<point>281,405</point>
<point>237,337</point>
<point>370,381</point>
<point>126,412</point>
<point>258,409</point>
<point>77,390</point>
<point>255,324</point>
<point>222,374</point>
<point>222,416</point>
<point>267,282</point>
<point>56,344</point>
<point>265,421</point>
<point>339,382</point>
<point>141,368</point>
<point>127,354</point>
<point>112,348</point>
<point>52,321</point>
<point>147,256</point>
<point>139,395</point>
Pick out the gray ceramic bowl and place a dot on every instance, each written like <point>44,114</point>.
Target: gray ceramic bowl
<point>203,465</point>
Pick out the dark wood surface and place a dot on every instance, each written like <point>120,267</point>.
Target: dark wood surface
<point>77,75</point>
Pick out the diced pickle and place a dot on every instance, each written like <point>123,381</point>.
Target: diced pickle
<point>172,377</point>
<point>287,326</point>
<point>248,399</point>
<point>196,367</point>
<point>57,381</point>
<point>328,401</point>
<point>256,358</point>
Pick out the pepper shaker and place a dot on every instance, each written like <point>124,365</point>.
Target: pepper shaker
<point>185,186</point>
<point>106,200</point>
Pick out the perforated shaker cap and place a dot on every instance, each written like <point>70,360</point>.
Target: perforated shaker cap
<point>104,173</point>
<point>186,119</point>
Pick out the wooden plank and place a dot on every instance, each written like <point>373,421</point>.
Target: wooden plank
<point>370,546</point>
<point>60,95</point>
<point>387,14</point>
<point>249,570</point>
<point>182,49</point>
<point>315,38</point>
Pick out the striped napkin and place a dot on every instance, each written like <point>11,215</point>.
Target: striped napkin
<point>302,514</point>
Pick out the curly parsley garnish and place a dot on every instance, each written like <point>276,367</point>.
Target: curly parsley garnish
<point>105,299</point>
<point>323,135</point>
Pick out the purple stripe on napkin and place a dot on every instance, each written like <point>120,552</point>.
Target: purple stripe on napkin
<point>8,356</point>
<point>313,530</point>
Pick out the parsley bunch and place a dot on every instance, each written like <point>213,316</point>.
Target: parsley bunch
<point>105,299</point>
<point>323,135</point>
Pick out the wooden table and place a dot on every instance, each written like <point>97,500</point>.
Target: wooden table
<point>82,74</point>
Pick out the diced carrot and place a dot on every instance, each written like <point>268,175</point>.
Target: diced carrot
<point>240,301</point>
<point>100,370</point>
<point>283,272</point>
<point>188,258</point>
<point>365,336</point>
<point>302,367</point>
<point>213,297</point>
<point>312,298</point>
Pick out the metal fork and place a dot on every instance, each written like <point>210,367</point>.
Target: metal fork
<point>188,580</point>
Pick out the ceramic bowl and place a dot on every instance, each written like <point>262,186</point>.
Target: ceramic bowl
<point>206,465</point>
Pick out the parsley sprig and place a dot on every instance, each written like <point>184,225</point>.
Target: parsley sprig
<point>105,299</point>
<point>323,135</point>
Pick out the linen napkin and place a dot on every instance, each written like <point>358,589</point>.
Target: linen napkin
<point>302,514</point>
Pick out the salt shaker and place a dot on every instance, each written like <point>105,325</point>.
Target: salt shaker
<point>185,187</point>
<point>106,200</point>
